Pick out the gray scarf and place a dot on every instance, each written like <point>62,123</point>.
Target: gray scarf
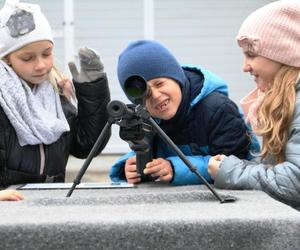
<point>36,114</point>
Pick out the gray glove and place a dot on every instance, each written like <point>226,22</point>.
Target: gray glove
<point>91,66</point>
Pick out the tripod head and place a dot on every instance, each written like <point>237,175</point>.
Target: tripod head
<point>135,131</point>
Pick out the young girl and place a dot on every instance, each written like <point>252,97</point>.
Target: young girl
<point>40,124</point>
<point>192,107</point>
<point>270,39</point>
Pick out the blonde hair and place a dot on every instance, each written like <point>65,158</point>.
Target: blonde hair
<point>276,113</point>
<point>56,77</point>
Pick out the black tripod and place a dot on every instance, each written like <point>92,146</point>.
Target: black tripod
<point>118,110</point>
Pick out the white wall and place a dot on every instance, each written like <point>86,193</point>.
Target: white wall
<point>197,31</point>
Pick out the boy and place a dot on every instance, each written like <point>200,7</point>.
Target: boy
<point>192,107</point>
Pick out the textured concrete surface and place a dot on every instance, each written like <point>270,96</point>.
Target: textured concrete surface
<point>150,216</point>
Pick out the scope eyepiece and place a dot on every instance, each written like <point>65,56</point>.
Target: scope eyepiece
<point>135,87</point>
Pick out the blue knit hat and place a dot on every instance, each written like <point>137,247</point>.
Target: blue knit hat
<point>149,59</point>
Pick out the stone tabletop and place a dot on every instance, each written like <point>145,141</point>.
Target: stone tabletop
<point>149,216</point>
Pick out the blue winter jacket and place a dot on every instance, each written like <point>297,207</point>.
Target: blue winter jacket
<point>207,123</point>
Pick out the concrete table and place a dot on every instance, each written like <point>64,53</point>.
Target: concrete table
<point>151,216</point>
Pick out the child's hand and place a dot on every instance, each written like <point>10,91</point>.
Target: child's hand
<point>10,195</point>
<point>214,165</point>
<point>160,168</point>
<point>132,176</point>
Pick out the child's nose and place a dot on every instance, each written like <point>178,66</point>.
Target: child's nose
<point>154,93</point>
<point>246,66</point>
<point>40,64</point>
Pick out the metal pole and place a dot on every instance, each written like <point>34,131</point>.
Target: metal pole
<point>69,41</point>
<point>148,19</point>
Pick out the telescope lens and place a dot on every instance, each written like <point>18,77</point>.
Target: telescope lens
<point>135,86</point>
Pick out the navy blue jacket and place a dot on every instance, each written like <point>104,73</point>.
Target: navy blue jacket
<point>207,123</point>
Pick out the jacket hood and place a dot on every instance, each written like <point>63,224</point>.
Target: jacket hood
<point>200,83</point>
<point>211,83</point>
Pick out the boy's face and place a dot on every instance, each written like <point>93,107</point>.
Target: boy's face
<point>164,98</point>
<point>32,62</point>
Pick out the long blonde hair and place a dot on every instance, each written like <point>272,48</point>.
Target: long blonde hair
<point>55,76</point>
<point>62,85</point>
<point>276,113</point>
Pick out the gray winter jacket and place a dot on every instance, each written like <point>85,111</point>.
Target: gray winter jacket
<point>281,181</point>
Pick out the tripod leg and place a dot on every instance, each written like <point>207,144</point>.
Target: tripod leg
<point>167,140</point>
<point>88,160</point>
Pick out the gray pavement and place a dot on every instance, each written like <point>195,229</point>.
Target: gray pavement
<point>96,172</point>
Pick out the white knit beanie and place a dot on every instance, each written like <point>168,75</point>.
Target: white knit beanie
<point>273,31</point>
<point>21,24</point>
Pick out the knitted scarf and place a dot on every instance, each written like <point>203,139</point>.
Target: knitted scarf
<point>36,114</point>
<point>250,104</point>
